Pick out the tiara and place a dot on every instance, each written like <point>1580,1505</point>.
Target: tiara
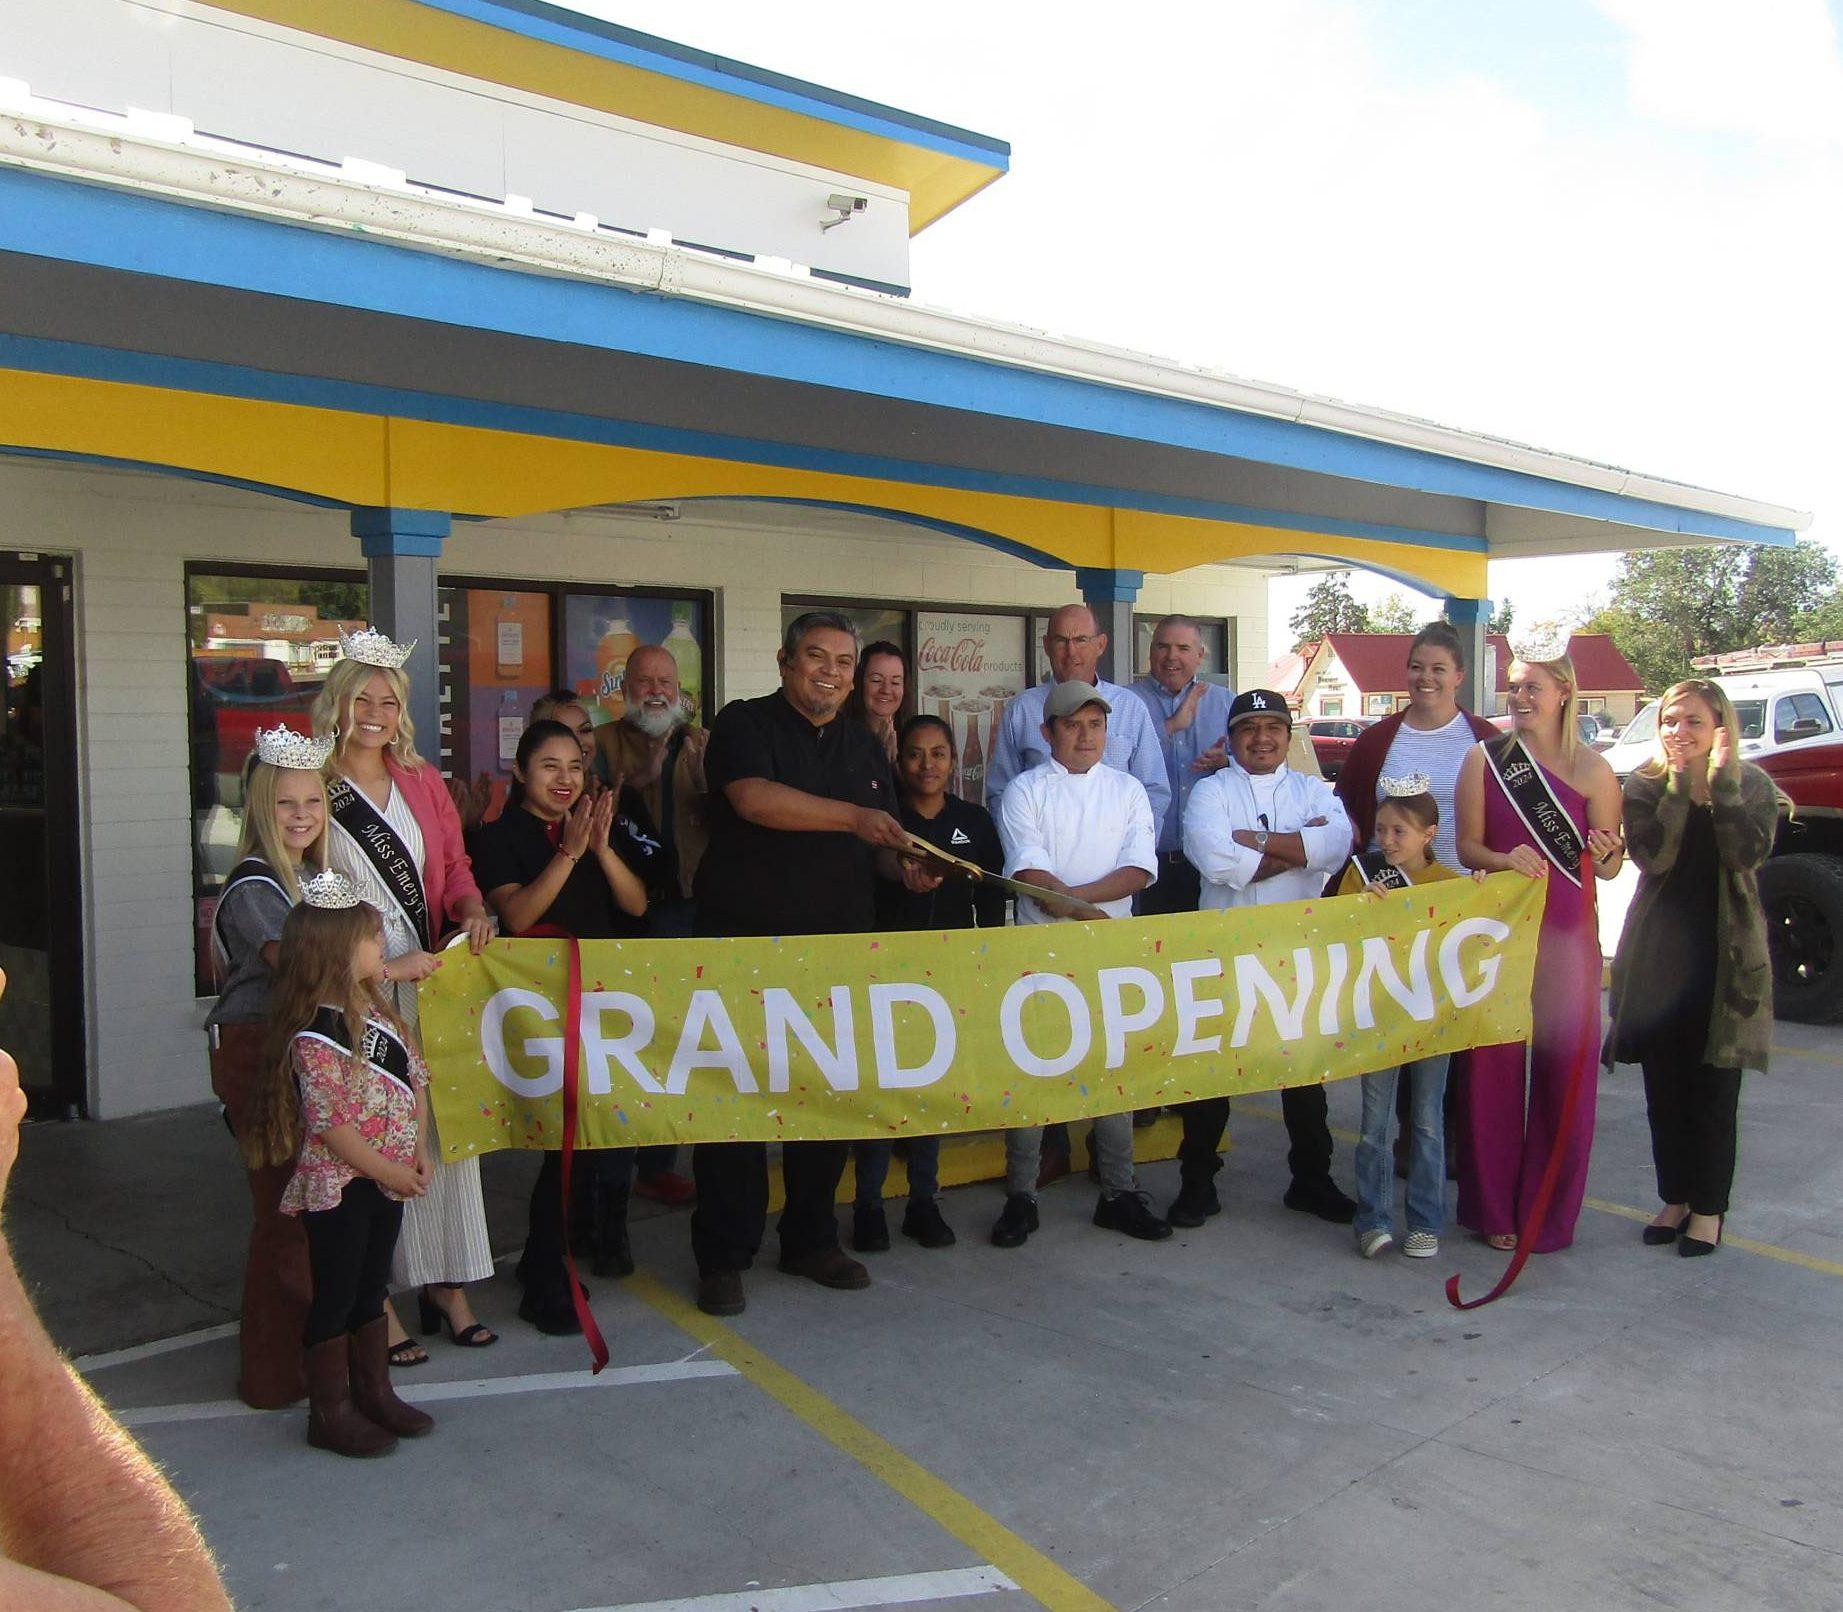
<point>281,746</point>
<point>1416,783</point>
<point>370,647</point>
<point>1540,641</point>
<point>329,889</point>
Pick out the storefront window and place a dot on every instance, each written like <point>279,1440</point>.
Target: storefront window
<point>1218,648</point>
<point>600,630</point>
<point>496,660</point>
<point>259,649</point>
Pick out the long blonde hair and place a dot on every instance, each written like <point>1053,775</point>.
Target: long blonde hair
<point>312,966</point>
<point>261,838</point>
<point>1715,697</point>
<point>333,708</point>
<point>1562,670</point>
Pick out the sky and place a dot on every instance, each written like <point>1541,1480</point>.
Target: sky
<point>1605,227</point>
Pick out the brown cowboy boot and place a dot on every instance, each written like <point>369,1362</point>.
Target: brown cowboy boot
<point>333,1421</point>
<point>371,1389</point>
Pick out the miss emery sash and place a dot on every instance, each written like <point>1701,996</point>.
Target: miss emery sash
<point>1526,787</point>
<point>382,1050</point>
<point>1373,868</point>
<point>377,842</point>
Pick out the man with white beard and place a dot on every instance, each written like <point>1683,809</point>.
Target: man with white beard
<point>658,751</point>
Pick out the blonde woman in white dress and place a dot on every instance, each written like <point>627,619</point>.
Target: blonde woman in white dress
<point>394,832</point>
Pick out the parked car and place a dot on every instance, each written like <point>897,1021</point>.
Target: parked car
<point>1332,737</point>
<point>1636,742</point>
<point>1587,725</point>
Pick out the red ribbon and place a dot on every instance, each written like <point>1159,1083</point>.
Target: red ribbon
<point>1588,1048</point>
<point>572,1065</point>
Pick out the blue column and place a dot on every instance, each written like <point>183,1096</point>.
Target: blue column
<point>1472,618</point>
<point>1110,595</point>
<point>402,548</point>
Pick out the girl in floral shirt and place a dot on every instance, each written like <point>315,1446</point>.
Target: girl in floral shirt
<point>345,1097</point>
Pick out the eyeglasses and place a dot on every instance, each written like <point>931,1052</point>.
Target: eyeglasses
<point>1063,641</point>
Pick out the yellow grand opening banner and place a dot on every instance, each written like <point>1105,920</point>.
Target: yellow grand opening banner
<point>888,1035</point>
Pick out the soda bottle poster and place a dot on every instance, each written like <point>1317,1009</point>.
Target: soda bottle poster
<point>968,666</point>
<point>600,630</point>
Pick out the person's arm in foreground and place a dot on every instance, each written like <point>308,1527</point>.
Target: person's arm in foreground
<point>87,1522</point>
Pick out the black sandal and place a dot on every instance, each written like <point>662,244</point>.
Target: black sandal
<point>434,1319</point>
<point>408,1352</point>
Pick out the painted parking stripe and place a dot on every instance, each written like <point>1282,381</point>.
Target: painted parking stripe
<point>540,1382</point>
<point>902,1589</point>
<point>159,1346</point>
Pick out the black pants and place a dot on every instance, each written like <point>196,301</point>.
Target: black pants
<point>1308,1131</point>
<point>1179,887</point>
<point>732,1206</point>
<point>1694,1110</point>
<point>349,1248</point>
<point>600,1180</point>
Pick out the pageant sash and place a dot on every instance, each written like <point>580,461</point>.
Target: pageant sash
<point>383,1051</point>
<point>252,869</point>
<point>1526,787</point>
<point>378,844</point>
<point>1373,868</point>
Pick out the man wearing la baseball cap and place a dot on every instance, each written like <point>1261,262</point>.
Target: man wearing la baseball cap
<point>1260,834</point>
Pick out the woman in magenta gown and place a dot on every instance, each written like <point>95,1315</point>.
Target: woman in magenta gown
<point>1511,1105</point>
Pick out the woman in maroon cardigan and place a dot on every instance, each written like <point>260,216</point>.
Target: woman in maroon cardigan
<point>1431,736</point>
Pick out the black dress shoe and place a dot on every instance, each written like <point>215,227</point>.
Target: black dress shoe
<point>924,1223</point>
<point>720,1293</point>
<point>870,1229</point>
<point>829,1267</point>
<point>1192,1206</point>
<point>1324,1198</point>
<point>1129,1212</point>
<point>1659,1236</point>
<point>550,1313</point>
<point>1694,1247</point>
<point>1017,1221</point>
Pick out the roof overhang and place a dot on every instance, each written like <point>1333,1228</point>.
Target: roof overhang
<point>245,317</point>
<point>547,50</point>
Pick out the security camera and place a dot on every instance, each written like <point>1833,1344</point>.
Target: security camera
<point>845,207</point>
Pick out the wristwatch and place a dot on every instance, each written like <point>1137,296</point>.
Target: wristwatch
<point>1260,840</point>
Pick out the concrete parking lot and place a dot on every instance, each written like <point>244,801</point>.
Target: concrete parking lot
<point>1245,1416</point>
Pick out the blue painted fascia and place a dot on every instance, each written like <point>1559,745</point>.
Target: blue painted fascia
<point>1102,585</point>
<point>552,25</point>
<point>970,534</point>
<point>386,531</point>
<point>137,234</point>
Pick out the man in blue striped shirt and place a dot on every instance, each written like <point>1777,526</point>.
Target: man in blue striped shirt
<point>1192,720</point>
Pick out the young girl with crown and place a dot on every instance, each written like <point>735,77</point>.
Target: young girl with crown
<point>283,841</point>
<point>394,832</point>
<point>344,1095</point>
<point>1407,822</point>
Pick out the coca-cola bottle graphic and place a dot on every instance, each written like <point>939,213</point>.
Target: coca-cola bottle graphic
<point>972,750</point>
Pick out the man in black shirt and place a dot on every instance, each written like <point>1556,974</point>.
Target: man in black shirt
<point>800,827</point>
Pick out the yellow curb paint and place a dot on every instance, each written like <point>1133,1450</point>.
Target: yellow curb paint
<point>978,1530</point>
<point>1786,1256</point>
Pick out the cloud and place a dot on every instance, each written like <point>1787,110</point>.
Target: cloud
<point>1765,69</point>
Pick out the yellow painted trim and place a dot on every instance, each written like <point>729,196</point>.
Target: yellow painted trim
<point>1053,1586</point>
<point>936,181</point>
<point>418,464</point>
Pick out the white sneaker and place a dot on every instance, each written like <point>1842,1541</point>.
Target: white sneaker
<point>1372,1243</point>
<point>1420,1245</point>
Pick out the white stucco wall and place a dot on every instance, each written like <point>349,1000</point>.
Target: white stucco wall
<point>131,534</point>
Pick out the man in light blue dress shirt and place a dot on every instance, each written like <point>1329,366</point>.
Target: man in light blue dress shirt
<point>1074,644</point>
<point>1192,721</point>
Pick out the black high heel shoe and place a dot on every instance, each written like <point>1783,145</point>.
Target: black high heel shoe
<point>1695,1247</point>
<point>1656,1236</point>
<point>433,1319</point>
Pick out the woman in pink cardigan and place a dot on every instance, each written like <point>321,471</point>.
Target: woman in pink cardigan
<point>393,831</point>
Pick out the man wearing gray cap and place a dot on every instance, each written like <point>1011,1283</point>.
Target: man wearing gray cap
<point>1077,828</point>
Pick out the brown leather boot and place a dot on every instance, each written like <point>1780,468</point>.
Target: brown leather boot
<point>371,1389</point>
<point>333,1421</point>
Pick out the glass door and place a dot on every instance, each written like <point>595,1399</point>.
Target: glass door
<point>41,1010</point>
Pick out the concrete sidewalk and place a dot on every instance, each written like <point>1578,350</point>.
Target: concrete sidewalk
<point>1245,1416</point>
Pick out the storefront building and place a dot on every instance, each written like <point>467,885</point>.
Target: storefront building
<point>533,339</point>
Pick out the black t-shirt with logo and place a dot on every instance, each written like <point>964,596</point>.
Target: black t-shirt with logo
<point>968,832</point>
<point>769,881</point>
<point>517,846</point>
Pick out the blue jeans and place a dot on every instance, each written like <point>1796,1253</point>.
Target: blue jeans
<point>872,1162</point>
<point>1426,1149</point>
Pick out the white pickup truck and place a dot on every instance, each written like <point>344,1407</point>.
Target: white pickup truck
<point>1787,696</point>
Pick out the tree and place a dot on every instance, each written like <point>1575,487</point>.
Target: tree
<point>1394,614</point>
<point>1328,608</point>
<point>1670,605</point>
<point>1501,617</point>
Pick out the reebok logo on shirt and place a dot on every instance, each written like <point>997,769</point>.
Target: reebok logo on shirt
<point>959,837</point>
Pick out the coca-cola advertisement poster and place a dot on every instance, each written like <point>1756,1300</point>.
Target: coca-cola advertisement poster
<point>967,667</point>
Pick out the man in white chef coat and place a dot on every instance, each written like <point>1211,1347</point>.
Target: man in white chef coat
<point>1075,827</point>
<point>1260,834</point>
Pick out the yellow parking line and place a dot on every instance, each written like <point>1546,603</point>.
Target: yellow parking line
<point>978,1530</point>
<point>1786,1256</point>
